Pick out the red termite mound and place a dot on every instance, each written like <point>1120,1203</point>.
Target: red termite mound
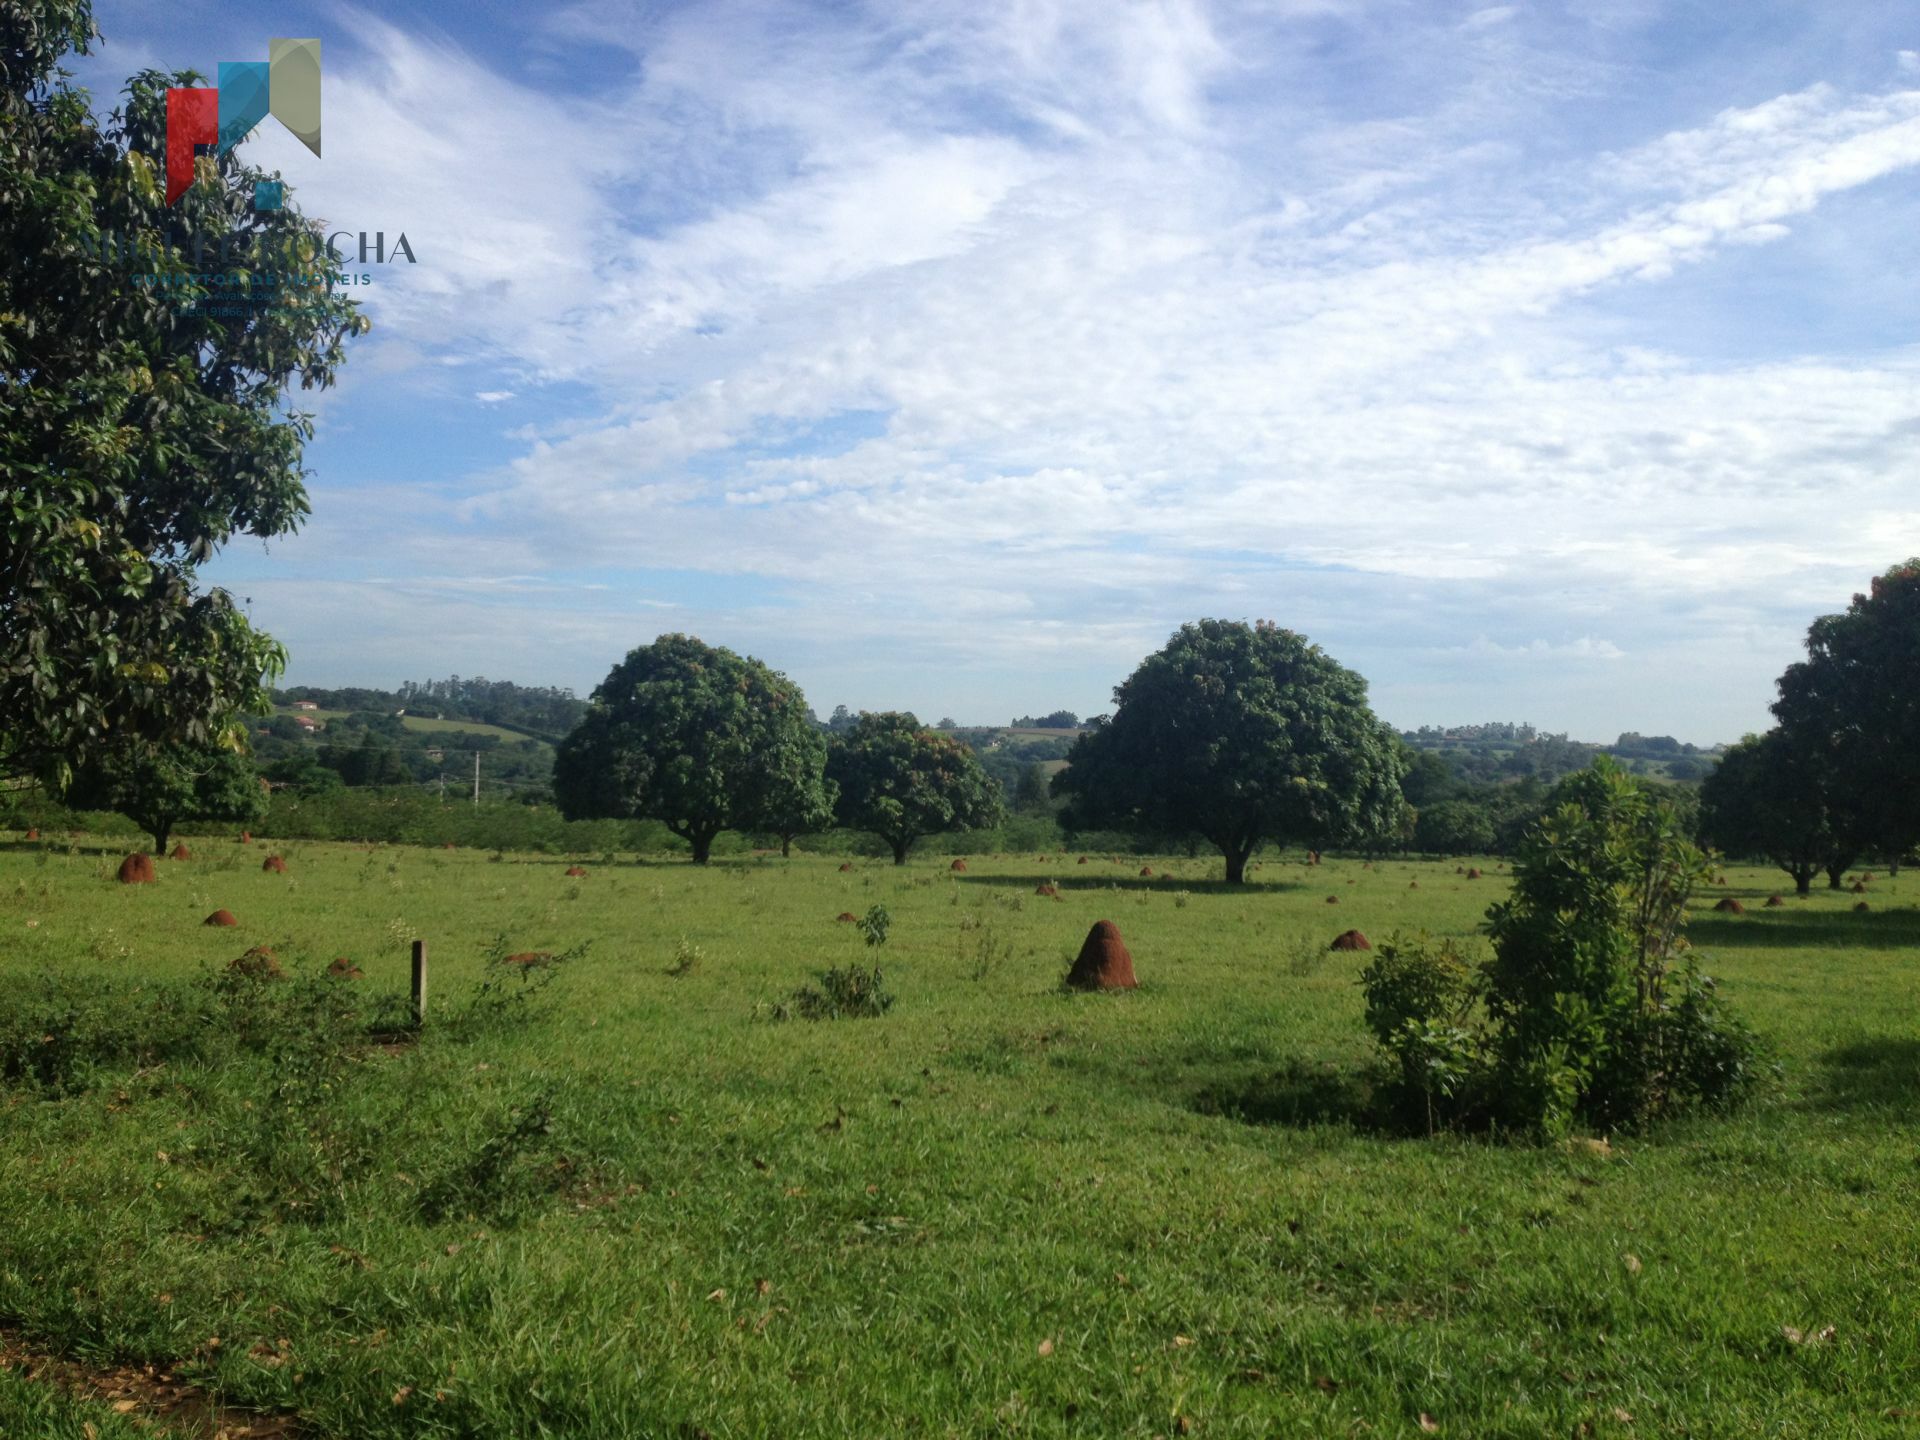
<point>1862,905</point>
<point>1146,872</point>
<point>137,869</point>
<point>220,917</point>
<point>846,867</point>
<point>529,959</point>
<point>846,917</point>
<point>1413,884</point>
<point>1859,887</point>
<point>448,845</point>
<point>1103,962</point>
<point>275,864</point>
<point>958,865</point>
<point>1051,891</point>
<point>1313,857</point>
<point>1473,874</point>
<point>1731,906</point>
<point>576,871</point>
<point>180,852</point>
<point>1333,899</point>
<point>1775,901</point>
<point>342,968</point>
<point>1350,940</point>
<point>1081,861</point>
<point>245,838</point>
<point>33,834</point>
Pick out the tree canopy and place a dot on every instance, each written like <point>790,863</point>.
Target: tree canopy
<point>902,781</point>
<point>1854,703</point>
<point>1241,734</point>
<point>141,425</point>
<point>1772,796</point>
<point>698,738</point>
<point>159,787</point>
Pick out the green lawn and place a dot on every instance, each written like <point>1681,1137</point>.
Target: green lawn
<point>996,1210</point>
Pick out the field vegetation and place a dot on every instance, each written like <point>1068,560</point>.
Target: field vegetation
<point>630,1189</point>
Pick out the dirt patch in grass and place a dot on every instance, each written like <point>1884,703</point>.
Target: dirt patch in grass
<point>151,1394</point>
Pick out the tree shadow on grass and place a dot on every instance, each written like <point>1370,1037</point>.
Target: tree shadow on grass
<point>1879,1074</point>
<point>1165,885</point>
<point>1786,930</point>
<point>1299,1094</point>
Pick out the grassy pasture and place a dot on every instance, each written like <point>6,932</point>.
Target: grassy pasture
<point>996,1210</point>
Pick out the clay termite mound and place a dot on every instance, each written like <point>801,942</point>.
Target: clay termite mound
<point>1333,899</point>
<point>1350,940</point>
<point>1146,872</point>
<point>1052,892</point>
<point>530,959</point>
<point>575,871</point>
<point>1775,901</point>
<point>274,864</point>
<point>220,917</point>
<point>1859,887</point>
<point>1103,962</point>
<point>1473,874</point>
<point>137,869</point>
<point>958,865</point>
<point>1862,905</point>
<point>33,834</point>
<point>341,968</point>
<point>245,838</point>
<point>1730,906</point>
<point>180,852</point>
<point>845,867</point>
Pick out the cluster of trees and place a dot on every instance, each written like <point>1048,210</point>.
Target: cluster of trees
<point>1238,734</point>
<point>1057,720</point>
<point>704,740</point>
<point>1839,776</point>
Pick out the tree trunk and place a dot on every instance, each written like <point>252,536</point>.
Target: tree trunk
<point>1802,879</point>
<point>1236,856</point>
<point>702,842</point>
<point>899,850</point>
<point>1833,876</point>
<point>1893,865</point>
<point>161,830</point>
<point>786,847</point>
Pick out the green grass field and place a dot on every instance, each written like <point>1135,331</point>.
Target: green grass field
<point>418,723</point>
<point>638,1205</point>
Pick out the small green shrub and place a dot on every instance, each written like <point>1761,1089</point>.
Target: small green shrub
<point>874,924</point>
<point>845,992</point>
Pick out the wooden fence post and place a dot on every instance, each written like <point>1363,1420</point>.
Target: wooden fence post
<point>419,982</point>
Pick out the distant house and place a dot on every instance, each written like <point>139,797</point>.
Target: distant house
<point>305,705</point>
<point>306,724</point>
<point>436,755</point>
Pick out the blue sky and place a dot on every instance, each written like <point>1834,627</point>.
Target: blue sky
<point>1543,361</point>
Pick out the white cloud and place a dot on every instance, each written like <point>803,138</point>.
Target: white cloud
<point>1137,332</point>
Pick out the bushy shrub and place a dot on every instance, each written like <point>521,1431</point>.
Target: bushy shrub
<point>1420,998</point>
<point>1591,1010</point>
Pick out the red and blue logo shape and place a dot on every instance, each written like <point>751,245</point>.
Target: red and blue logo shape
<point>286,86</point>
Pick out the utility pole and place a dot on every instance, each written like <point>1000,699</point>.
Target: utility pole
<point>476,778</point>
